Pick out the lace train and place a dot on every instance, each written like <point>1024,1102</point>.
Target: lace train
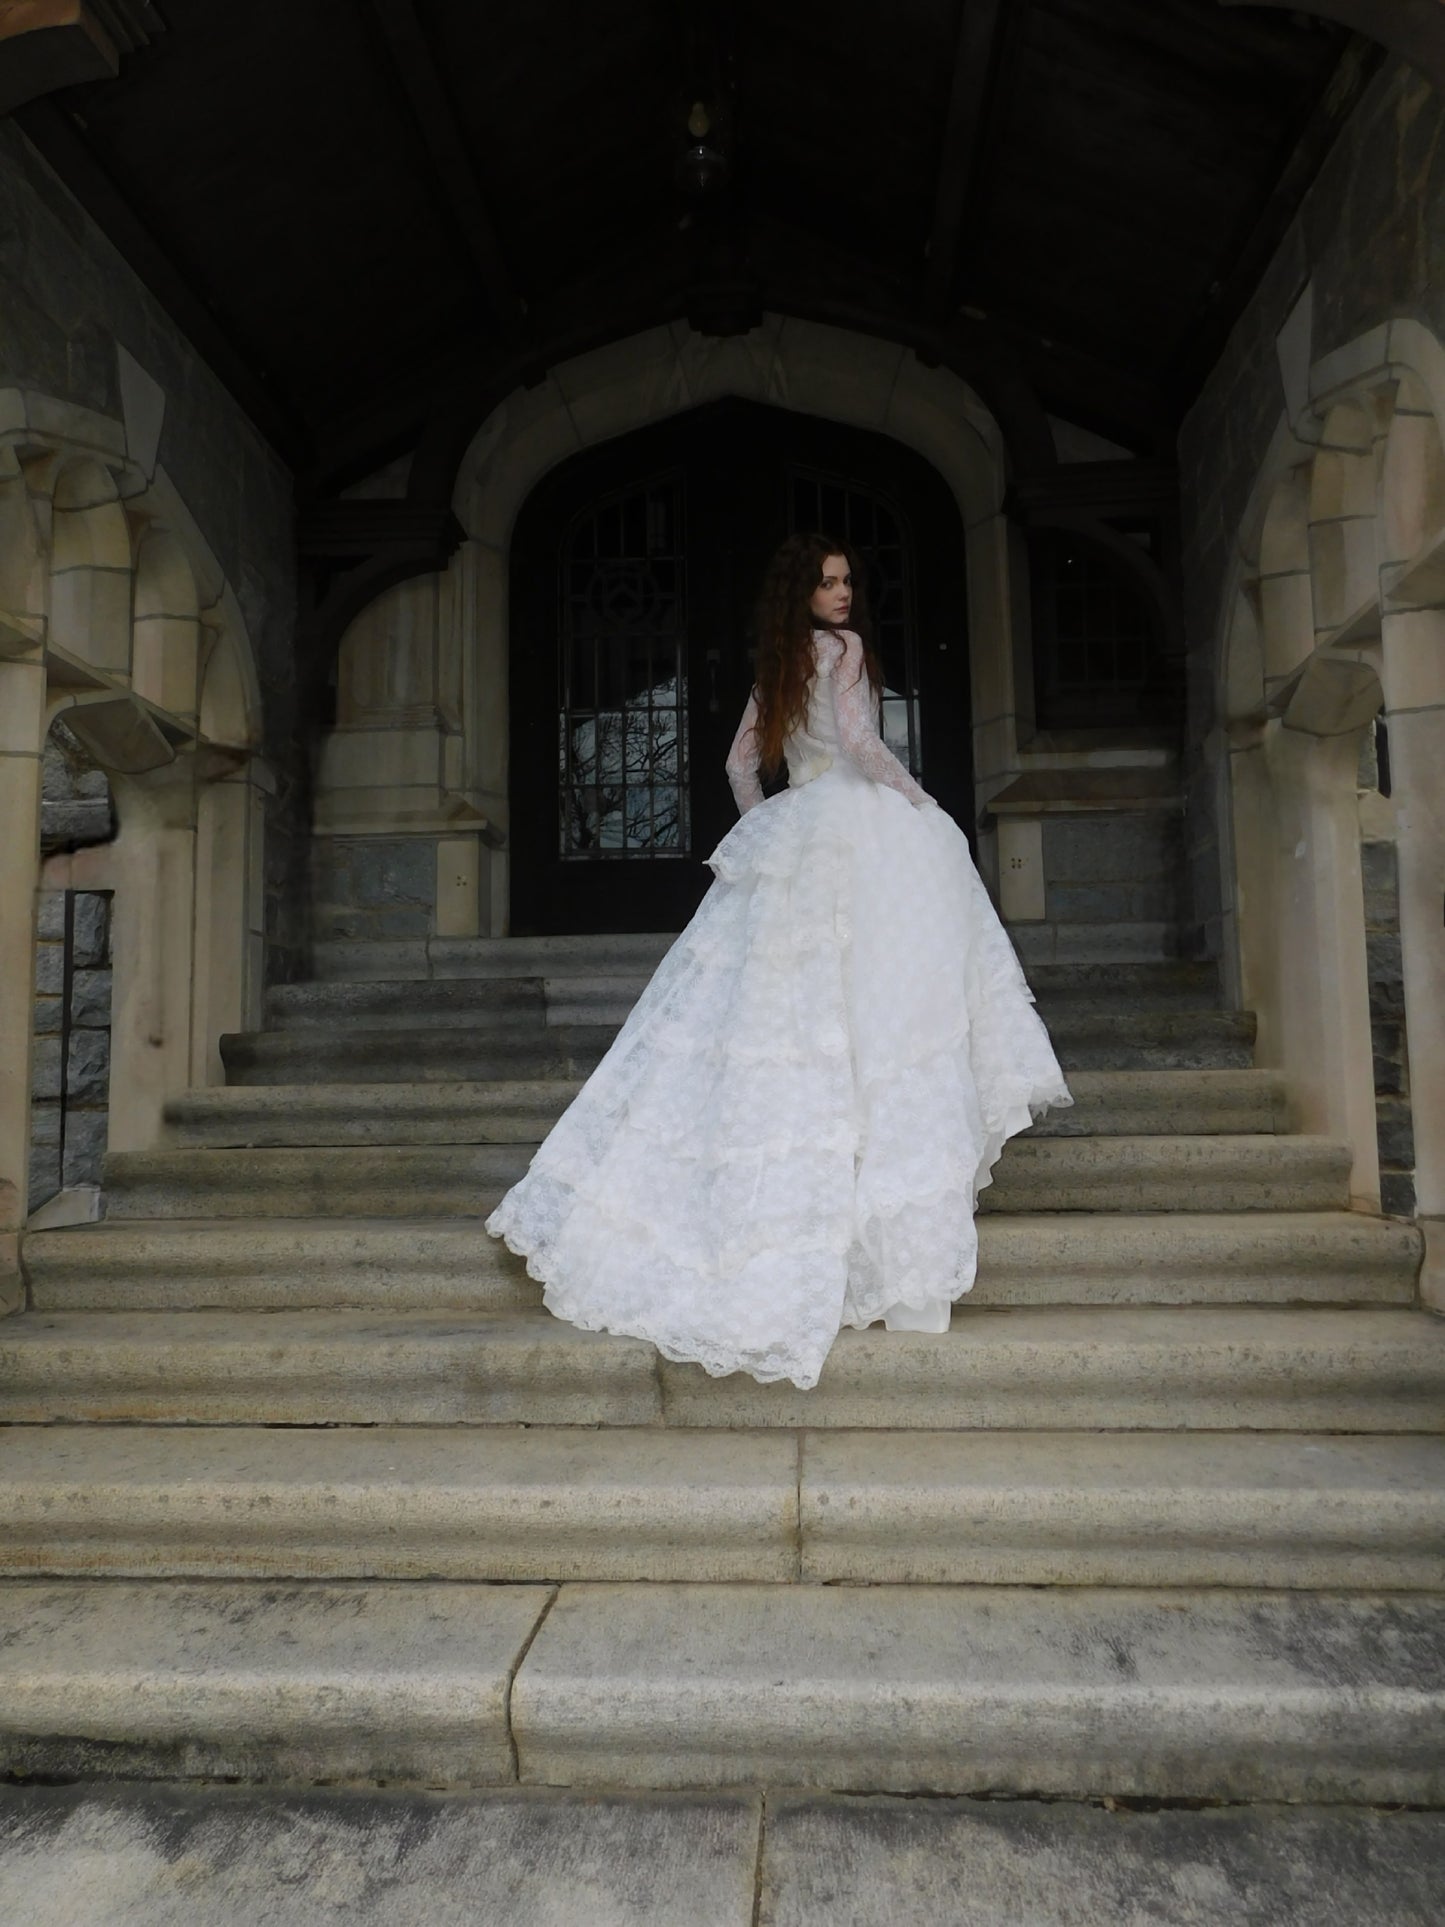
<point>790,1132</point>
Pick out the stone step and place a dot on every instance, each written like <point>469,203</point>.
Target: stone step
<point>1121,1509</point>
<point>359,961</point>
<point>507,1111</point>
<point>1046,1368</point>
<point>541,1504</point>
<point>1062,1690</point>
<point>606,996</point>
<point>509,1503</point>
<point>496,1111</point>
<point>168,1264</point>
<point>1171,1694</point>
<point>261,1682</point>
<point>1180,1173</point>
<point>501,1045</point>
<point>1240,1173</point>
<point>481,1053</point>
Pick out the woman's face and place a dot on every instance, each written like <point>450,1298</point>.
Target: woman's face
<point>833,597</point>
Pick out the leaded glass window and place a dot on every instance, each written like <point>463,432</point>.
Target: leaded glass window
<point>623,719</point>
<point>1098,648</point>
<point>880,538</point>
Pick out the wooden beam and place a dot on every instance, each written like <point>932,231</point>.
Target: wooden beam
<point>1018,376</point>
<point>46,44</point>
<point>440,135</point>
<point>62,145</point>
<point>1261,240</point>
<point>1414,29</point>
<point>974,62</point>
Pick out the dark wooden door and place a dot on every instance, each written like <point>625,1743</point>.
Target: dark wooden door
<point>634,570</point>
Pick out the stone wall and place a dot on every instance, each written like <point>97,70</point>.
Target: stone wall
<point>1113,889</point>
<point>1369,244</point>
<point>70,1075</point>
<point>1394,1130</point>
<point>70,1069</point>
<point>380,888</point>
<point>68,305</point>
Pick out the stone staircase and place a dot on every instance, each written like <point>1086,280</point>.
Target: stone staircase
<point>302,1483</point>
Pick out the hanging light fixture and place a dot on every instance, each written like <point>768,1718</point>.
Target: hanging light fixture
<point>702,170</point>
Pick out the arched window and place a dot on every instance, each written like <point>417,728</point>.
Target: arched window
<point>1099,654</point>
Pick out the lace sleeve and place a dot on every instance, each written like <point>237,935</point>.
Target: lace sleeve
<point>742,760</point>
<point>858,727</point>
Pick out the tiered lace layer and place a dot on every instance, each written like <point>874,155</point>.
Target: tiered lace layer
<point>790,1130</point>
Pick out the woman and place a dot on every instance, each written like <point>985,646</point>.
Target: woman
<point>790,1130</point>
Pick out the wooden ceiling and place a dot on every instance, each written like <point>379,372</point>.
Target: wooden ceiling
<point>376,215</point>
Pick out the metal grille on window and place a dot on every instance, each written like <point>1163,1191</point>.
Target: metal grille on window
<point>1098,650</point>
<point>880,537</point>
<point>622,725</point>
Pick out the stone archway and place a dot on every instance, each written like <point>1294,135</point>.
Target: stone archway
<point>115,614</point>
<point>803,366</point>
<point>1337,614</point>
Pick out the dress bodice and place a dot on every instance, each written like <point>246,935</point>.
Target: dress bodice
<point>839,728</point>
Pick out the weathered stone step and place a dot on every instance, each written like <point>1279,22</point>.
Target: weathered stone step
<point>342,1054</point>
<point>1178,1694</point>
<point>358,961</point>
<point>1063,1690</point>
<point>605,996</point>
<point>261,1682</point>
<point>1122,1509</point>
<point>1003,1508</point>
<point>1180,1173</point>
<point>406,1503</point>
<point>487,1047</point>
<point>522,1111</point>
<point>1243,1173</point>
<point>167,1264</point>
<point>498,1111</point>
<point>1049,1368</point>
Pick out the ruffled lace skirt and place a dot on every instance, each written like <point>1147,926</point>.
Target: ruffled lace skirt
<point>790,1132</point>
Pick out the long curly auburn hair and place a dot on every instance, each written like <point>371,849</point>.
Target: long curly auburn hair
<point>785,623</point>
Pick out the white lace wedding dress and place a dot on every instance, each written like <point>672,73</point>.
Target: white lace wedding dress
<point>789,1133</point>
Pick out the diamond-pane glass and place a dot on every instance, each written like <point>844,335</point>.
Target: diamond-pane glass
<point>622,727</point>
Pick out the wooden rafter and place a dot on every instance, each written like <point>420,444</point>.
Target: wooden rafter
<point>1414,29</point>
<point>974,64</point>
<point>46,44</point>
<point>438,130</point>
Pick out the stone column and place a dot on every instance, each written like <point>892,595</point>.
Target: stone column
<point>153,950</point>
<point>22,736</point>
<point>1318,1029</point>
<point>1413,674</point>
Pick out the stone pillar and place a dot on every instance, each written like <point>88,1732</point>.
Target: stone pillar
<point>230,899</point>
<point>1413,674</point>
<point>22,736</point>
<point>153,951</point>
<point>1316,1014</point>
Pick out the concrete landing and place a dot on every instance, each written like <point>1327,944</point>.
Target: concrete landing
<point>231,1858</point>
